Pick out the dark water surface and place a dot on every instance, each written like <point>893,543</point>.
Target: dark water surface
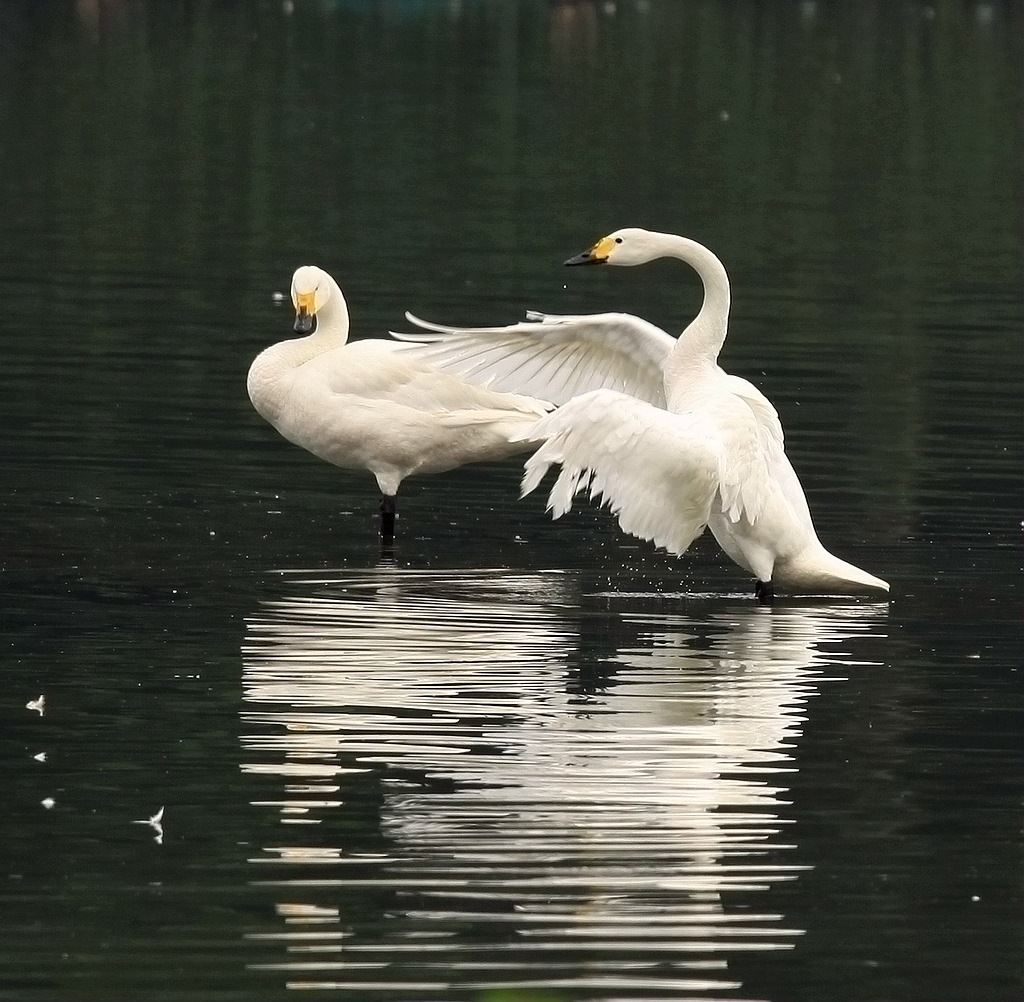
<point>515,761</point>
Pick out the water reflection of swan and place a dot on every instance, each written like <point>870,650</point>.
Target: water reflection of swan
<point>518,832</point>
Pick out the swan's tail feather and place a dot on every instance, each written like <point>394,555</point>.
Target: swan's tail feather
<point>521,416</point>
<point>817,569</point>
<point>852,576</point>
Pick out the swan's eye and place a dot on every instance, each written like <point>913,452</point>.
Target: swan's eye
<point>618,240</point>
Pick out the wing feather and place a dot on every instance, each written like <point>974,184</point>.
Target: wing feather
<point>756,467</point>
<point>550,357</point>
<point>656,471</point>
<point>766,414</point>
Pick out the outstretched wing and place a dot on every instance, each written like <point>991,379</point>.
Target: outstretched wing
<point>551,357</point>
<point>658,472</point>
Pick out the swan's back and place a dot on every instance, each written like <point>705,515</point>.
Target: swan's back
<point>368,406</point>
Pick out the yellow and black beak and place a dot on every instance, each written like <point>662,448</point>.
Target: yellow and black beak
<point>305,311</point>
<point>598,254</point>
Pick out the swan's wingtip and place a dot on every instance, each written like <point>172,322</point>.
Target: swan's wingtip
<point>420,322</point>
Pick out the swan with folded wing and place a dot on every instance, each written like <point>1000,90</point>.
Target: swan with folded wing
<point>368,405</point>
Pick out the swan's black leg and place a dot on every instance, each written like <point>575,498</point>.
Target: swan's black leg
<point>764,592</point>
<point>387,518</point>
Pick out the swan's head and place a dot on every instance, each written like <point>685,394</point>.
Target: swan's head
<point>312,289</point>
<point>624,247</point>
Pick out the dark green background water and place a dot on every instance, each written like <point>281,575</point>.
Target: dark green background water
<point>521,760</point>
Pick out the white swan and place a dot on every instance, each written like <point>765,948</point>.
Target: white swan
<point>672,443</point>
<point>366,405</point>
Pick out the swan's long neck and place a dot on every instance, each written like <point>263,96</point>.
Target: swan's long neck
<point>270,372</point>
<point>332,321</point>
<point>331,332</point>
<point>696,351</point>
<point>332,328</point>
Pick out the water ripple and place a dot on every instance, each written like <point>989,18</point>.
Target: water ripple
<point>473,820</point>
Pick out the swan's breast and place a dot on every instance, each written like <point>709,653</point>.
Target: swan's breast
<point>264,386</point>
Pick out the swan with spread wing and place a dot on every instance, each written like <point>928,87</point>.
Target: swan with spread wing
<point>654,426</point>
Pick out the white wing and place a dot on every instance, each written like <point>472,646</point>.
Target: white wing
<point>551,357</point>
<point>778,469</point>
<point>380,372</point>
<point>656,471</point>
<point>765,413</point>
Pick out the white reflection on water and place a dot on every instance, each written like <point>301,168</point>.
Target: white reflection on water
<point>560,798</point>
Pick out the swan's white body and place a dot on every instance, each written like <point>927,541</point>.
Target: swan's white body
<point>672,443</point>
<point>367,405</point>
